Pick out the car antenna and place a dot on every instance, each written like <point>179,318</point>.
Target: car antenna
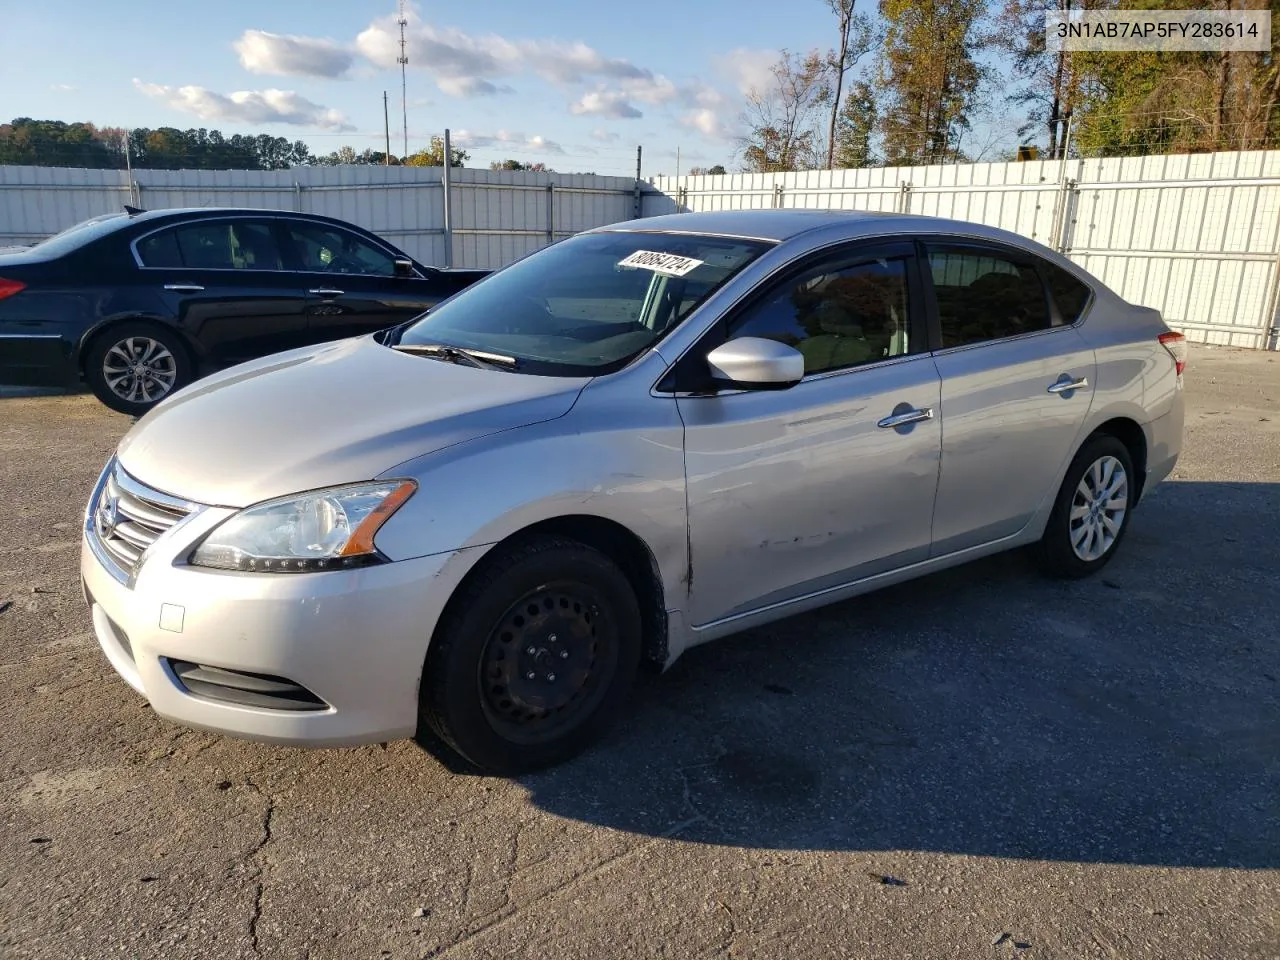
<point>133,211</point>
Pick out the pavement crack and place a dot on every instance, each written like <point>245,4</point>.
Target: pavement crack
<point>255,855</point>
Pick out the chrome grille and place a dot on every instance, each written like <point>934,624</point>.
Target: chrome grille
<point>127,516</point>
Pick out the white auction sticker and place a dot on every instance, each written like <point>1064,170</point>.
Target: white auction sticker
<point>669,263</point>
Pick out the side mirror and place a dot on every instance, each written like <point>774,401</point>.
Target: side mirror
<point>404,269</point>
<point>754,363</point>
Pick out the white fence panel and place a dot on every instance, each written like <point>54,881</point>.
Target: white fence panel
<point>497,216</point>
<point>1197,237</point>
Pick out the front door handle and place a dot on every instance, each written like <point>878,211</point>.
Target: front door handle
<point>325,292</point>
<point>184,287</point>
<point>906,417</point>
<point>1067,385</point>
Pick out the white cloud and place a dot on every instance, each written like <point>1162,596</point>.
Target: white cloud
<point>287,55</point>
<point>748,69</point>
<point>708,123</point>
<point>605,136</point>
<point>256,107</point>
<point>470,87</point>
<point>506,138</point>
<point>63,87</point>
<point>605,103</point>
<point>576,62</point>
<point>650,89</point>
<point>468,64</point>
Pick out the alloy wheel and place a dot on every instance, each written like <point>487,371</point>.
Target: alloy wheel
<point>1098,509</point>
<point>140,369</point>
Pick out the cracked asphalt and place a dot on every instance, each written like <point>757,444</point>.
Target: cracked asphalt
<point>979,764</point>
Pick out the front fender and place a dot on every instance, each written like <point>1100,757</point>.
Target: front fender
<point>625,465</point>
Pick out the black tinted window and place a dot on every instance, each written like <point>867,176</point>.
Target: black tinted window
<point>985,296</point>
<point>837,317</point>
<point>324,249</point>
<point>160,250</point>
<point>1068,293</point>
<point>213,245</point>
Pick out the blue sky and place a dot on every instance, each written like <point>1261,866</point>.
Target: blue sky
<point>573,83</point>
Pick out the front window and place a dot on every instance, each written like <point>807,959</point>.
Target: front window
<point>325,249</point>
<point>586,305</point>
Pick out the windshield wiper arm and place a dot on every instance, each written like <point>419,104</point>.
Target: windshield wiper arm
<point>476,358</point>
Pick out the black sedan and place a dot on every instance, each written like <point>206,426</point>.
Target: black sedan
<point>138,304</point>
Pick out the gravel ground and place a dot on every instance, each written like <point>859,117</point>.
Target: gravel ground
<point>979,764</point>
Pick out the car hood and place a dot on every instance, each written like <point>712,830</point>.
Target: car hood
<point>338,413</point>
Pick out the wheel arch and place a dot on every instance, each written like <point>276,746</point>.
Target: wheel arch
<point>100,329</point>
<point>621,545</point>
<point>1130,433</point>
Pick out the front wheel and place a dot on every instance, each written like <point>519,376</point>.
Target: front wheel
<point>533,657</point>
<point>134,366</point>
<point>1091,513</point>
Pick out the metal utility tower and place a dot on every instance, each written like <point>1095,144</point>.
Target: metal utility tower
<point>403,60</point>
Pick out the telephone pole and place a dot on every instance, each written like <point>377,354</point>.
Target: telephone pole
<point>386,126</point>
<point>404,89</point>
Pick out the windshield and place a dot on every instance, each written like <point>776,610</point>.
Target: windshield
<point>586,305</point>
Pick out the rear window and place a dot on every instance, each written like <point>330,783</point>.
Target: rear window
<point>1069,294</point>
<point>85,232</point>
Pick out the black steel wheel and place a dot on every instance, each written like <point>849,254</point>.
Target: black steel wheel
<point>545,662</point>
<point>532,658</point>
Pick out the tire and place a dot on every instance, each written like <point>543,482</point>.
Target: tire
<point>1079,546</point>
<point>532,659</point>
<point>165,366</point>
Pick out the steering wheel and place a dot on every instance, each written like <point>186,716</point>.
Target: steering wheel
<point>345,264</point>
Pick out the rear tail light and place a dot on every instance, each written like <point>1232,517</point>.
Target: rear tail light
<point>1176,344</point>
<point>9,287</point>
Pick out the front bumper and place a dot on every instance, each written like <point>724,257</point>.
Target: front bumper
<point>355,639</point>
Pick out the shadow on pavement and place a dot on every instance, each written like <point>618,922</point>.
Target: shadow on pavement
<point>1128,718</point>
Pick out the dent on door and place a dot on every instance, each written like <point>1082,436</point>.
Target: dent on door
<point>796,491</point>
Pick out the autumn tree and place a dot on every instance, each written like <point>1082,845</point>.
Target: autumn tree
<point>1049,82</point>
<point>1141,102</point>
<point>855,42</point>
<point>784,118</point>
<point>347,155</point>
<point>433,156</point>
<point>930,75</point>
<point>855,128</point>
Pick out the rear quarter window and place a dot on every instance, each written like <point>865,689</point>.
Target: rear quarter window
<point>1068,293</point>
<point>159,250</point>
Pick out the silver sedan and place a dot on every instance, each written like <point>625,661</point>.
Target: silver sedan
<point>475,527</point>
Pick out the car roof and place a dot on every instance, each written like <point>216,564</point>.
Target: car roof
<point>782,225</point>
<point>181,212</point>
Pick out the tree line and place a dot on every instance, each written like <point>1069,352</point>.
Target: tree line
<point>52,143</point>
<point>905,81</point>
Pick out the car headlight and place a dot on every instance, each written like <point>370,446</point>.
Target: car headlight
<point>330,529</point>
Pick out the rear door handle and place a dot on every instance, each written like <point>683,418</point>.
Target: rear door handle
<point>325,292</point>
<point>184,287</point>
<point>906,417</point>
<point>1066,385</point>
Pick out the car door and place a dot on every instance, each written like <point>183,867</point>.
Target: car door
<point>794,491</point>
<point>1016,388</point>
<point>351,282</point>
<point>225,283</point>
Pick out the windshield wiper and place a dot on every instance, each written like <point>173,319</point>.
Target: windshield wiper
<point>476,358</point>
